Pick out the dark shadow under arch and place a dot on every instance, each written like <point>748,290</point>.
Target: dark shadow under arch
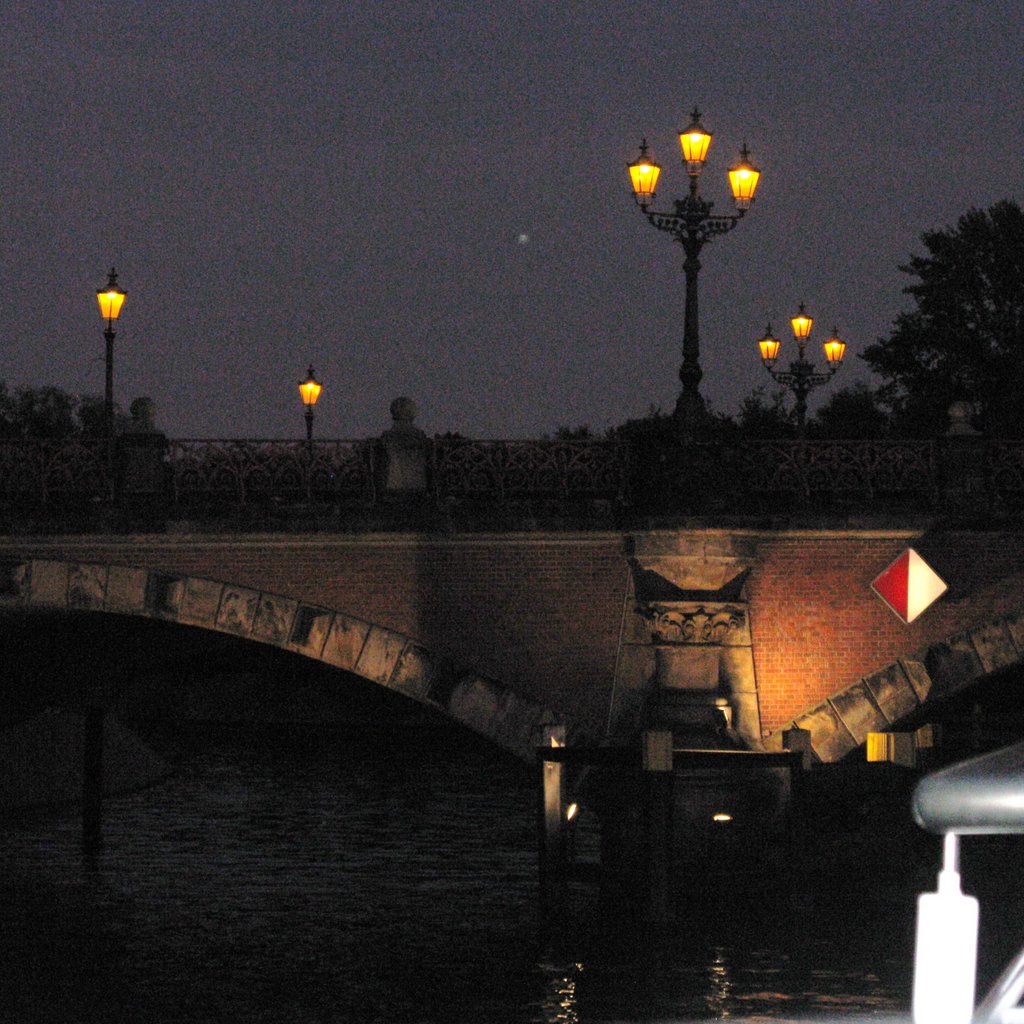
<point>366,649</point>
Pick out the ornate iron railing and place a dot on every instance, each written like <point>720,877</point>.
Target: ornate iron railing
<point>1004,469</point>
<point>39,474</point>
<point>238,472</point>
<point>972,474</point>
<point>510,470</point>
<point>765,476</point>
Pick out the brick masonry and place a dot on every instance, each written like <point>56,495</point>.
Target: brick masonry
<point>516,627</point>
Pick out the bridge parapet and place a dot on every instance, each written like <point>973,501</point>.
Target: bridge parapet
<point>583,483</point>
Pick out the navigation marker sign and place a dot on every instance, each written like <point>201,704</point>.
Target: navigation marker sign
<point>909,585</point>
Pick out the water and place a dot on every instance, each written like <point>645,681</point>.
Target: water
<point>319,874</point>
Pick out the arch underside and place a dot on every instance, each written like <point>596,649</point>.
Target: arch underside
<point>880,701</point>
<point>369,650</point>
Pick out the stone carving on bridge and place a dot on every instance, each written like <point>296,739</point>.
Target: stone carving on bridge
<point>679,623</point>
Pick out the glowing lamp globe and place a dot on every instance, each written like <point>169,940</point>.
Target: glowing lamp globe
<point>310,389</point>
<point>110,298</point>
<point>643,174</point>
<point>835,349</point>
<point>694,140</point>
<point>743,178</point>
<point>801,324</point>
<point>769,347</point>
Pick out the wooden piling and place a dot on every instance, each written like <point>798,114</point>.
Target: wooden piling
<point>657,782</point>
<point>553,853</point>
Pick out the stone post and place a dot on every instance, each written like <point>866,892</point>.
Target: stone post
<point>962,481</point>
<point>142,470</point>
<point>404,452</point>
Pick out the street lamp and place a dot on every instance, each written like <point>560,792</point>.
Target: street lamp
<point>310,389</point>
<point>691,225</point>
<point>111,299</point>
<point>802,376</point>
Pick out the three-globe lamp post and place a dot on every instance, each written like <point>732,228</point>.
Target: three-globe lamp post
<point>310,389</point>
<point>692,224</point>
<point>802,376</point>
<point>111,299</point>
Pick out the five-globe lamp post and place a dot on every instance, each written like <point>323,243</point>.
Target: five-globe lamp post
<point>692,224</point>
<point>802,376</point>
<point>310,389</point>
<point>111,299</point>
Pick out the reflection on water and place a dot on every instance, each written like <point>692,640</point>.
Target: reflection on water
<point>320,876</point>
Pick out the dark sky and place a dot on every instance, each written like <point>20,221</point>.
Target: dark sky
<point>431,198</point>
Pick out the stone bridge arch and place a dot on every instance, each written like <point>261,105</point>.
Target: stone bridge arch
<point>372,651</point>
<point>880,701</point>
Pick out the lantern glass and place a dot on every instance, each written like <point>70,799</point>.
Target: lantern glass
<point>743,178</point>
<point>835,349</point>
<point>769,347</point>
<point>801,324</point>
<point>310,389</point>
<point>110,298</point>
<point>694,141</point>
<point>643,174</point>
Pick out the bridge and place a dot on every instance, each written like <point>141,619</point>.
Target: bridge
<point>720,590</point>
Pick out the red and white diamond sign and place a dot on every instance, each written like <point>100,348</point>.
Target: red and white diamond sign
<point>909,585</point>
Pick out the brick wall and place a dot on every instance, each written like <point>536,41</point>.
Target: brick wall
<point>817,626</point>
<point>542,613</point>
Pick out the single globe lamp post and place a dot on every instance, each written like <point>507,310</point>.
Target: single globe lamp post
<point>692,224</point>
<point>802,376</point>
<point>310,389</point>
<point>110,299</point>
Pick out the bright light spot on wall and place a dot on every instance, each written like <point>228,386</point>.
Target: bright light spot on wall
<point>721,818</point>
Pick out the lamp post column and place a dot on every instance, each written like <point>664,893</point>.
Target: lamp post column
<point>108,394</point>
<point>690,405</point>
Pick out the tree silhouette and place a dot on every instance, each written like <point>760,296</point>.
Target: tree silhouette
<point>964,340</point>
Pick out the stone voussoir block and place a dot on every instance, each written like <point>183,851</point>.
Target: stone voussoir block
<point>952,664</point>
<point>414,673</point>
<point>200,601</point>
<point>126,590</point>
<point>380,655</point>
<point>237,610</point>
<point>1014,623</point>
<point>345,642</point>
<point>272,622</point>
<point>474,701</point>
<point>87,586</point>
<point>830,739</point>
<point>892,692</point>
<point>917,675</point>
<point>995,646</point>
<point>858,711</point>
<point>48,583</point>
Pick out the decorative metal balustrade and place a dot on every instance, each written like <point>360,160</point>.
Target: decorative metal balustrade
<point>63,473</point>
<point>509,470</point>
<point>238,473</point>
<point>967,475</point>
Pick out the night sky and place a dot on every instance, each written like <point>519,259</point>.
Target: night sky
<point>431,198</point>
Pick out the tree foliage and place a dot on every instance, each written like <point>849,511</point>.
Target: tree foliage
<point>49,413</point>
<point>964,340</point>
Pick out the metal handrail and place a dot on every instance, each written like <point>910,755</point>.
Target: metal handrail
<point>982,796</point>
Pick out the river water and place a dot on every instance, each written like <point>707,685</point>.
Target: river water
<point>326,874</point>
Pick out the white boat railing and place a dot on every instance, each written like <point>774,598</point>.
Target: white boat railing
<point>983,796</point>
